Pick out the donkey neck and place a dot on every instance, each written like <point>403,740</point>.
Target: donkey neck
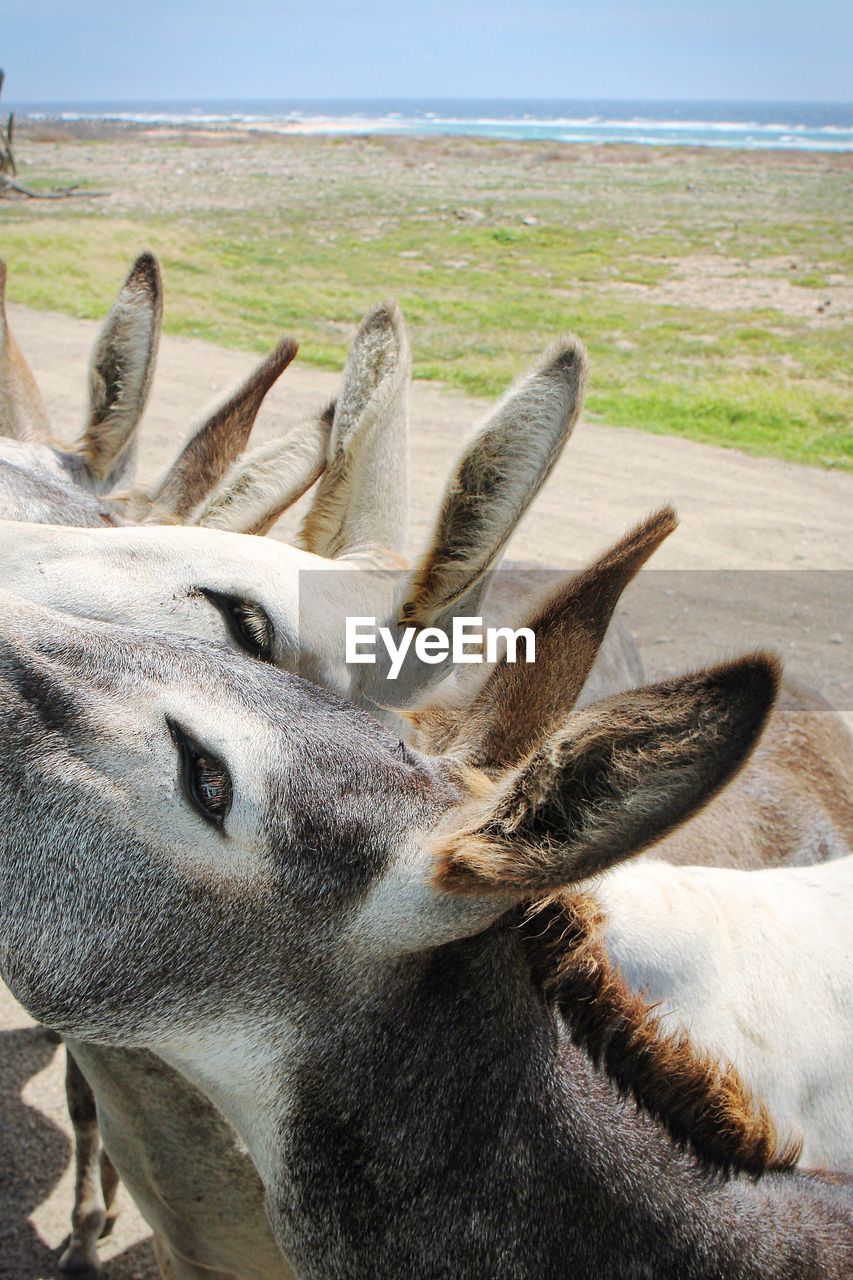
<point>452,1108</point>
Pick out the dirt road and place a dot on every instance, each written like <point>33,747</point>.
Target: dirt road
<point>759,559</point>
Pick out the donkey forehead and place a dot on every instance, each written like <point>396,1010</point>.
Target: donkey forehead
<point>176,548</point>
<point>125,575</point>
<point>167,580</point>
<point>95,655</point>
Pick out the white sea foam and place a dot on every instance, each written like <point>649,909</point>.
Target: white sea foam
<point>587,126</point>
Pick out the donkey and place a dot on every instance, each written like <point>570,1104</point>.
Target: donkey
<point>357,449</point>
<point>86,484</point>
<point>208,583</point>
<point>367,961</point>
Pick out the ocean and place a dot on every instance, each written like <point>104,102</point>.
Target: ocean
<point>799,126</point>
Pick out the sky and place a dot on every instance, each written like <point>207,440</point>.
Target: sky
<point>92,50</point>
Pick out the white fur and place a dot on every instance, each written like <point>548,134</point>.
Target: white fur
<point>756,965</point>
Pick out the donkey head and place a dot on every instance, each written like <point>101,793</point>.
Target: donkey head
<point>219,759</point>
<point>188,836</point>
<point>288,605</point>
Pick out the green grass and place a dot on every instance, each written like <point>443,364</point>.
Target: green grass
<point>306,234</point>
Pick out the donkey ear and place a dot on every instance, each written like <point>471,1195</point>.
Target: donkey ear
<point>255,492</point>
<point>362,500</point>
<point>220,439</point>
<point>23,415</point>
<point>120,374</point>
<point>496,478</point>
<point>621,775</point>
<point>521,703</point>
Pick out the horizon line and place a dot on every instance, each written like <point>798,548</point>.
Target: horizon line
<point>73,101</point>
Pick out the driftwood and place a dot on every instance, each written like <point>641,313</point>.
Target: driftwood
<point>9,184</point>
<point>60,193</point>
<point>7,155</point>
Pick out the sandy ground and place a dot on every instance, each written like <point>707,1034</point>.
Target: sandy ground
<point>759,559</point>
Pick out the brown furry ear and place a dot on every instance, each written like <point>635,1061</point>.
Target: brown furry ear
<point>621,774</point>
<point>23,415</point>
<point>120,375</point>
<point>212,448</point>
<point>521,703</point>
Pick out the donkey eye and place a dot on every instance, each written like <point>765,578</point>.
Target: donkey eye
<point>248,623</point>
<point>206,781</point>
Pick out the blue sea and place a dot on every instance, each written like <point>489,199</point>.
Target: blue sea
<point>799,126</point>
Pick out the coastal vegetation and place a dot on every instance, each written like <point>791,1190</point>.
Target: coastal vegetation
<point>712,288</point>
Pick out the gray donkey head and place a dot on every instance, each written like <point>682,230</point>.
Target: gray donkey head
<point>212,859</point>
<point>219,825</point>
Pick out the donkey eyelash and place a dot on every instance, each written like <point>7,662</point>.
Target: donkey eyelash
<point>248,623</point>
<point>205,780</point>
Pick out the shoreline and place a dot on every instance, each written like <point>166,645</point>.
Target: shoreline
<point>85,128</point>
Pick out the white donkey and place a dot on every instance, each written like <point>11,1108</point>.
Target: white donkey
<point>757,966</point>
<point>202,581</point>
<point>327,935</point>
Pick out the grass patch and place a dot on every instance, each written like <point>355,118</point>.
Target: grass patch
<point>491,249</point>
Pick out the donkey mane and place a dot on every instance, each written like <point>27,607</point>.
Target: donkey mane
<point>702,1103</point>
